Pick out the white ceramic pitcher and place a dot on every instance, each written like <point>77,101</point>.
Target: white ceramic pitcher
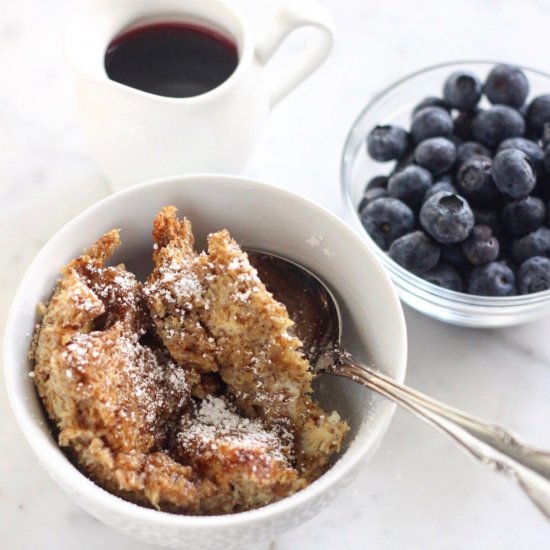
<point>136,136</point>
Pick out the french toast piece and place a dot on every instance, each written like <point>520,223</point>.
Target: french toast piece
<point>261,362</point>
<point>174,293</point>
<point>112,398</point>
<point>248,465</point>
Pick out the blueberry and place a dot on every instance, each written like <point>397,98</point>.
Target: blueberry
<point>523,216</point>
<point>376,188</point>
<point>462,124</point>
<point>447,217</point>
<point>371,195</point>
<point>375,193</point>
<point>445,276</point>
<point>377,181</point>
<point>474,180</point>
<point>387,219</point>
<point>436,154</point>
<point>470,149</point>
<point>387,143</point>
<point>452,254</point>
<point>462,90</point>
<point>530,148</point>
<point>439,186</point>
<point>493,279</point>
<point>431,102</point>
<point>507,85</point>
<point>496,124</point>
<point>488,216</point>
<point>481,247</point>
<point>513,173</point>
<point>538,113</point>
<point>415,251</point>
<point>431,122</point>
<point>536,243</point>
<point>534,275</point>
<point>410,184</point>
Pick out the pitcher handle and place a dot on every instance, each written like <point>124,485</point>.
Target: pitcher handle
<point>306,13</point>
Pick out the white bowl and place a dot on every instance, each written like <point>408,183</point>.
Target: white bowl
<point>258,216</point>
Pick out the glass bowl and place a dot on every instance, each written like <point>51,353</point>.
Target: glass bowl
<point>394,105</point>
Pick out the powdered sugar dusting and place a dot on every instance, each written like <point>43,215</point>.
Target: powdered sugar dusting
<point>217,420</point>
<point>178,283</point>
<point>151,380</point>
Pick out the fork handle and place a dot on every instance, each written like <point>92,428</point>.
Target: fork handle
<point>498,449</point>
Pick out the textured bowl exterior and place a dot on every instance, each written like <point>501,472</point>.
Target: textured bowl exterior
<point>258,216</point>
<point>394,105</point>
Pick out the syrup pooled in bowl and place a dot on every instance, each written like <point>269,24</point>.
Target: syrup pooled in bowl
<point>171,59</point>
<point>309,304</point>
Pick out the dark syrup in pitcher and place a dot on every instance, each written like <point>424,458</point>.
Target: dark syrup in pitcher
<point>171,59</point>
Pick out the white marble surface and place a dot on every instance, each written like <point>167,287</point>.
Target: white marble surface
<point>418,492</point>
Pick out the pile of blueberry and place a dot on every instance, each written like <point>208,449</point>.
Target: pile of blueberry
<point>466,205</point>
